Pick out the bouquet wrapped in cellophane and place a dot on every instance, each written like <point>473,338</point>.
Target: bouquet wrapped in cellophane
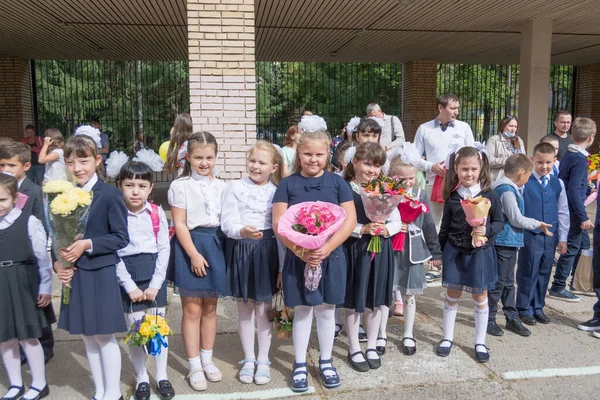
<point>476,210</point>
<point>309,225</point>
<point>410,209</point>
<point>380,198</point>
<point>149,333</point>
<point>67,208</point>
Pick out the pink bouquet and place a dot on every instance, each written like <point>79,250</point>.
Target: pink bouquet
<point>476,210</point>
<point>309,225</point>
<point>410,209</point>
<point>380,197</point>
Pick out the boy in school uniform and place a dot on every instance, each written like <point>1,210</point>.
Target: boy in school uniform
<point>545,200</point>
<point>517,170</point>
<point>554,142</point>
<point>15,160</point>
<point>574,173</point>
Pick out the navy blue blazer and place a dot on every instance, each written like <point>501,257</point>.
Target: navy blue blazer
<point>34,205</point>
<point>106,227</point>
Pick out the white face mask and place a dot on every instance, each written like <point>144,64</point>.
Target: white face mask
<point>509,135</point>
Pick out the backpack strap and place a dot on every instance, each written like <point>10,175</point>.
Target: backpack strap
<point>155,217</point>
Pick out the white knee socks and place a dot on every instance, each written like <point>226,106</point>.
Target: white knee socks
<point>352,324</point>
<point>301,334</point>
<point>410,311</point>
<point>373,319</point>
<point>449,319</point>
<point>104,356</point>
<point>35,358</point>
<point>265,332</point>
<point>385,313</point>
<point>481,320</point>
<point>137,354</point>
<point>246,326</point>
<point>12,364</point>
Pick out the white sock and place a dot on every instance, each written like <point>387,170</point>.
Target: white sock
<point>110,354</point>
<point>398,296</point>
<point>12,363</point>
<point>385,313</point>
<point>303,316</point>
<point>352,323</point>
<point>207,363</point>
<point>138,355</point>
<point>196,364</point>
<point>325,314</point>
<point>35,358</point>
<point>246,327</point>
<point>372,318</point>
<point>92,351</point>
<point>161,359</point>
<point>481,320</point>
<point>410,310</point>
<point>265,333</point>
<point>449,319</point>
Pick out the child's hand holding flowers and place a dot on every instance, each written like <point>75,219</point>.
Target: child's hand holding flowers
<point>75,250</point>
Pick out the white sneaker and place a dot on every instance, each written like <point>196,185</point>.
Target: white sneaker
<point>596,334</point>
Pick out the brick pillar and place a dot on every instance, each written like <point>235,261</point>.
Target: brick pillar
<point>222,77</point>
<point>16,100</point>
<point>419,81</point>
<point>587,97</point>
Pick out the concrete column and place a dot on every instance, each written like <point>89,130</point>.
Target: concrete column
<point>222,77</point>
<point>534,80</point>
<point>587,96</point>
<point>419,80</point>
<point>16,99</point>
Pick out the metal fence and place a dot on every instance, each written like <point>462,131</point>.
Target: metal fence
<point>488,93</point>
<point>130,98</point>
<point>335,91</point>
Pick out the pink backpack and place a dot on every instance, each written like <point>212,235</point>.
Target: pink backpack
<point>155,217</point>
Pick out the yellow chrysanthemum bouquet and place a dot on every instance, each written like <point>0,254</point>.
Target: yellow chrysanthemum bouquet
<point>149,333</point>
<point>67,209</point>
<point>593,162</point>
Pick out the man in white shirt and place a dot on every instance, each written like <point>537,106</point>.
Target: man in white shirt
<point>436,139</point>
<point>392,133</point>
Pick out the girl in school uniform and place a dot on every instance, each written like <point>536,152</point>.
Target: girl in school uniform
<point>467,268</point>
<point>252,255</point>
<point>312,181</point>
<point>180,132</point>
<point>421,245</point>
<point>95,309</point>
<point>143,268</point>
<point>52,155</point>
<point>195,200</point>
<point>369,282</point>
<point>25,288</point>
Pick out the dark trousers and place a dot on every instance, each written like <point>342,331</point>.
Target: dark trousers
<point>505,286</point>
<point>533,272</point>
<point>566,261</point>
<point>596,268</point>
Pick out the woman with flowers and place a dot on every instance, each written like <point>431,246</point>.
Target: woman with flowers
<point>311,181</point>
<point>370,275</point>
<point>95,309</point>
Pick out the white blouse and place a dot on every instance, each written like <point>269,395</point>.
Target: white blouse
<point>393,224</point>
<point>201,197</point>
<point>38,240</point>
<point>142,240</point>
<point>56,170</point>
<point>247,203</point>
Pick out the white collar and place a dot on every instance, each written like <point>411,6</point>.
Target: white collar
<point>20,182</point>
<point>470,191</point>
<point>12,215</point>
<point>147,208</point>
<point>575,148</point>
<point>90,184</point>
<point>250,183</point>
<point>204,180</point>
<point>540,177</point>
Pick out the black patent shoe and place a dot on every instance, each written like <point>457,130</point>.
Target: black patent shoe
<point>374,363</point>
<point>17,396</point>
<point>142,392</point>
<point>165,389</point>
<point>360,366</point>
<point>381,349</point>
<point>517,327</point>
<point>45,392</point>
<point>444,351</point>
<point>482,356</point>
<point>528,320</point>
<point>409,350</point>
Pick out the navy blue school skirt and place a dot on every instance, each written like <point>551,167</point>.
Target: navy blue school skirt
<point>474,273</point>
<point>252,267</point>
<point>95,307</point>
<point>141,268</point>
<point>210,243</point>
<point>331,290</point>
<point>369,283</point>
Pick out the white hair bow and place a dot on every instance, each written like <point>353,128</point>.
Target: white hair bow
<point>409,154</point>
<point>352,124</point>
<point>91,132</point>
<point>150,158</point>
<point>349,155</point>
<point>312,123</point>
<point>115,162</point>
<point>379,121</point>
<point>455,147</point>
<point>278,148</point>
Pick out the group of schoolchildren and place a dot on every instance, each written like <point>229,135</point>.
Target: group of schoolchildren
<point>226,243</point>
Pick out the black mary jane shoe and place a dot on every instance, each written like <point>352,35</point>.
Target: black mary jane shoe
<point>409,350</point>
<point>142,392</point>
<point>45,392</point>
<point>482,356</point>
<point>165,389</point>
<point>444,351</point>
<point>20,393</point>
<point>360,366</point>
<point>381,349</point>
<point>374,363</point>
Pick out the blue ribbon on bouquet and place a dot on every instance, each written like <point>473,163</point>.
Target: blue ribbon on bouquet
<point>156,344</point>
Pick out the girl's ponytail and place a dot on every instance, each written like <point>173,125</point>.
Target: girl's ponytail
<point>451,178</point>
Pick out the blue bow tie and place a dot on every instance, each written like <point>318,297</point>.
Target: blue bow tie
<point>313,186</point>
